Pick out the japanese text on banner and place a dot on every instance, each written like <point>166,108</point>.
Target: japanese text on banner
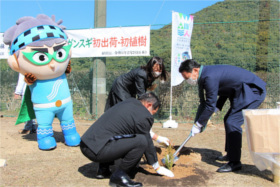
<point>103,42</point>
<point>182,27</point>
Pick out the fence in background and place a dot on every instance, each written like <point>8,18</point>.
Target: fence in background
<point>185,97</point>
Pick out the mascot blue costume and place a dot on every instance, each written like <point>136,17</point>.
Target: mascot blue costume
<point>39,50</point>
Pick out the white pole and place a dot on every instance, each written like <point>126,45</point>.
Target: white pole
<point>170,114</point>
<point>170,123</point>
<point>172,56</point>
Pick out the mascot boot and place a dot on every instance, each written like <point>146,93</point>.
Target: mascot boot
<point>45,138</point>
<point>71,136</point>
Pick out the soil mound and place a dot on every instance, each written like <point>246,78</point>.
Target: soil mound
<point>185,172</point>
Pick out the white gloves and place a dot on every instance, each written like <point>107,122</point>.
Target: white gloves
<point>196,129</point>
<point>160,139</point>
<point>162,170</point>
<point>163,140</point>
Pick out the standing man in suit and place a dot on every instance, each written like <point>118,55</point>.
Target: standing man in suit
<point>123,131</point>
<point>242,88</point>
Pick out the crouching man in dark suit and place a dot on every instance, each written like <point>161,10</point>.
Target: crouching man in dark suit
<point>216,84</point>
<point>123,131</point>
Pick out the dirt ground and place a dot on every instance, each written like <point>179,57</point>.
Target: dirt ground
<point>66,166</point>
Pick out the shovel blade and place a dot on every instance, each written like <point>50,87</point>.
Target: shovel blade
<point>175,159</point>
<point>166,160</point>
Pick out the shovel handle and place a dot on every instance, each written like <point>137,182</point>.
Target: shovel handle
<point>182,145</point>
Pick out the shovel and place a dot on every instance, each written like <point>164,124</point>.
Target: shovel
<point>175,157</point>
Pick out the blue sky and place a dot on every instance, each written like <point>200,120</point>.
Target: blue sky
<point>80,14</point>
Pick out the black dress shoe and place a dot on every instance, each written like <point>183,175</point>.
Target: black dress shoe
<point>222,158</point>
<point>119,179</point>
<point>230,166</point>
<point>103,172</point>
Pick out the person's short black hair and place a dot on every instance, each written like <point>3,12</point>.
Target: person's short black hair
<point>188,65</point>
<point>150,97</point>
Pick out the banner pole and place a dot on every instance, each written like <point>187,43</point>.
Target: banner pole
<point>170,123</point>
<point>170,114</point>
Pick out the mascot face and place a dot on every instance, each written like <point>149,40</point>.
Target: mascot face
<point>38,46</point>
<point>44,62</point>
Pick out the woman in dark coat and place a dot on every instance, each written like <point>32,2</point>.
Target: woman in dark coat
<point>132,84</point>
<point>136,82</point>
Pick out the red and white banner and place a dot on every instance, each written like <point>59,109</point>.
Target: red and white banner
<point>110,42</point>
<point>4,49</point>
<point>103,42</point>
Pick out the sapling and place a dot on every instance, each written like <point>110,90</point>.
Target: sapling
<point>169,158</point>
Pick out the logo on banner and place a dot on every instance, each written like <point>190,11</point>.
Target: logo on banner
<point>184,25</point>
<point>181,57</point>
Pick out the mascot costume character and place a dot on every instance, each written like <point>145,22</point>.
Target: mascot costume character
<point>39,50</point>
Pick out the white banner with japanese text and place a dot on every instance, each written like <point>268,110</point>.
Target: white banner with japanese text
<point>182,27</point>
<point>4,49</point>
<point>110,42</point>
<point>103,42</point>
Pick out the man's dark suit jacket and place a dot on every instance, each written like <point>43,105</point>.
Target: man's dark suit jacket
<point>127,117</point>
<point>228,82</point>
<point>131,84</point>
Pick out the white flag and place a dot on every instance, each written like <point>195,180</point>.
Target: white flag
<point>182,27</point>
